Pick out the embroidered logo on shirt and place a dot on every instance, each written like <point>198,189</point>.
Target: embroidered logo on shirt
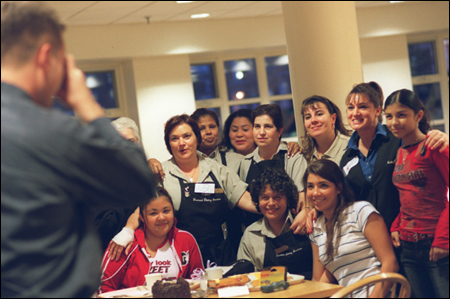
<point>184,258</point>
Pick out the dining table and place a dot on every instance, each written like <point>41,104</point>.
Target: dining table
<point>305,289</point>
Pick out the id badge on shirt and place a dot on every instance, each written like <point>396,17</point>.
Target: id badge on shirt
<point>352,163</point>
<point>205,188</point>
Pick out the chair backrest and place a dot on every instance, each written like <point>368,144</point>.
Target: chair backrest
<point>395,278</point>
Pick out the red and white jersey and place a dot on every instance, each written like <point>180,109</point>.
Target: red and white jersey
<point>130,269</point>
<point>164,262</point>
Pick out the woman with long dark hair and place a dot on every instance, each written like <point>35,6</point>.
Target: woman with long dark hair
<point>350,239</point>
<point>421,176</point>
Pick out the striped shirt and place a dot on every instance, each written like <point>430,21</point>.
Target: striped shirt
<point>355,259</point>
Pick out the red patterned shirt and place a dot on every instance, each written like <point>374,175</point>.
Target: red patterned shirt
<point>422,182</point>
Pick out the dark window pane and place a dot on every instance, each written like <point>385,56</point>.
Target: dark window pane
<point>103,88</point>
<point>430,94</point>
<point>287,108</point>
<point>422,59</point>
<point>446,51</point>
<point>242,81</point>
<point>246,106</point>
<point>278,78</point>
<point>203,79</point>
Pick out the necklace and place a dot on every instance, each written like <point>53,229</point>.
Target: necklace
<point>404,147</point>
<point>191,177</point>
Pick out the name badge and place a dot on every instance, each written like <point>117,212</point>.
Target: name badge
<point>352,163</point>
<point>205,188</point>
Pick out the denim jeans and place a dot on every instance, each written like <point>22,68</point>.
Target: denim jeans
<point>428,279</point>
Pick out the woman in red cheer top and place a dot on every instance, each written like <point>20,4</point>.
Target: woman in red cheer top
<point>421,176</point>
<point>158,247</point>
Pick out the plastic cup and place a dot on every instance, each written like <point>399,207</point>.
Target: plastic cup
<point>150,279</point>
<point>214,273</point>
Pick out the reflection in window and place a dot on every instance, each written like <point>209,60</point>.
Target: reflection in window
<point>287,108</point>
<point>242,81</point>
<point>278,79</point>
<point>430,94</point>
<point>203,79</point>
<point>246,106</point>
<point>102,85</point>
<point>422,59</point>
<point>446,51</point>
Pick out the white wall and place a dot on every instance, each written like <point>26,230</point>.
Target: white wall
<point>385,61</point>
<point>164,89</point>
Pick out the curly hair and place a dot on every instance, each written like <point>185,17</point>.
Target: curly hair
<point>279,182</point>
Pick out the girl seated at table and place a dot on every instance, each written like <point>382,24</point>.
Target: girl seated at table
<point>350,240</point>
<point>158,247</point>
<point>269,241</point>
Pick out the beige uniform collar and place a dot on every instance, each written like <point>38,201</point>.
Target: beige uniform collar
<point>332,152</point>
<point>203,165</point>
<point>257,158</point>
<point>265,227</point>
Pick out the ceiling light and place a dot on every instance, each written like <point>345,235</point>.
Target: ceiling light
<point>200,15</point>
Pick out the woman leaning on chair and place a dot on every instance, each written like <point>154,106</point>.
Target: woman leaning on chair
<point>350,239</point>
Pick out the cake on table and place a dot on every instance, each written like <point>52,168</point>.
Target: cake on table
<point>171,289</point>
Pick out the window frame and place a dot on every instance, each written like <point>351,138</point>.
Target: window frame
<point>222,100</point>
<point>441,77</point>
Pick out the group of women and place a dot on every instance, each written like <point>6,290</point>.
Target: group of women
<point>326,222</point>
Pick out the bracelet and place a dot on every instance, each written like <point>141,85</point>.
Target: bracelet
<point>309,208</point>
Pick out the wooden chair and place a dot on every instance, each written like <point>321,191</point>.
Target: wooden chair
<point>405,289</point>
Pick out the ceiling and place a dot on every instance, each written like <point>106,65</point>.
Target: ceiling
<point>127,12</point>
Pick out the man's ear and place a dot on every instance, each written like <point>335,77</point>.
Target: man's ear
<point>43,56</point>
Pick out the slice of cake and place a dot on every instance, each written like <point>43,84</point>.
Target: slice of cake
<point>171,289</point>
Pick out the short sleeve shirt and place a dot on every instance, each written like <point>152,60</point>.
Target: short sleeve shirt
<point>336,151</point>
<point>355,258</point>
<point>253,242</point>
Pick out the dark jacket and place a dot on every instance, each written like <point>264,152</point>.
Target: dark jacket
<point>380,192</point>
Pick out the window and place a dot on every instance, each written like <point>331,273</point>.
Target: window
<point>103,88</point>
<point>428,57</point>
<point>247,80</point>
<point>278,79</point>
<point>204,81</point>
<point>105,82</point>
<point>242,81</point>
<point>422,59</point>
